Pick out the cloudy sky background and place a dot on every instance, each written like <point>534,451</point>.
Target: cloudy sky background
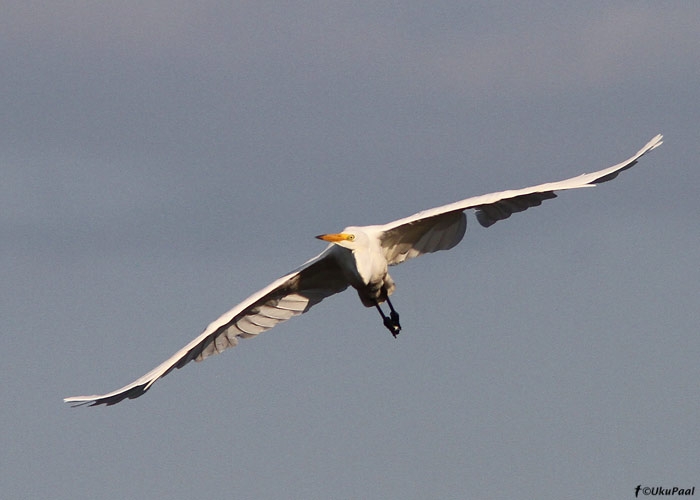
<point>160,161</point>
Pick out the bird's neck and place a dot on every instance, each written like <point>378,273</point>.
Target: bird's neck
<point>370,266</point>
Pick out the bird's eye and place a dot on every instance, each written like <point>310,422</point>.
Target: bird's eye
<point>351,237</point>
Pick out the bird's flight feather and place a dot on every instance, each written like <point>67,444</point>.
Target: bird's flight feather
<point>286,297</point>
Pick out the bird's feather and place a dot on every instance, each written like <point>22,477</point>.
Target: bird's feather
<point>286,297</point>
<point>493,207</point>
<point>424,235</point>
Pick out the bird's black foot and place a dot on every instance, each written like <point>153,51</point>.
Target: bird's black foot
<point>391,322</point>
<point>392,325</point>
<point>395,320</point>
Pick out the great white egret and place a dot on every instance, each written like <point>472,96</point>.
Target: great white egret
<point>358,257</point>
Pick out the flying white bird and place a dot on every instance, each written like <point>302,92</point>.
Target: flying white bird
<point>357,257</point>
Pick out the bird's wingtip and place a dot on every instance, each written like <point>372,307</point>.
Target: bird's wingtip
<point>74,402</point>
<point>657,141</point>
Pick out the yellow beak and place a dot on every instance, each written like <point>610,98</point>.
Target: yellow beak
<point>333,238</point>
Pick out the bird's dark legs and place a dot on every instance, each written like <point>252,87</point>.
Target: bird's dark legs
<point>394,316</point>
<point>391,322</point>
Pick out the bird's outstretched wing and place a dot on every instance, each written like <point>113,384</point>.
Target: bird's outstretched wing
<point>442,228</point>
<point>286,297</point>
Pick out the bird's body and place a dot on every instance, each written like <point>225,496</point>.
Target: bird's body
<point>359,257</point>
<point>363,263</point>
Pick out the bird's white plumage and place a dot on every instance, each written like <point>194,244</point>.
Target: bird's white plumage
<point>360,261</point>
<point>482,202</point>
<point>284,298</point>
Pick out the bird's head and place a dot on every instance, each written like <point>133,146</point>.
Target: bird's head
<point>349,238</point>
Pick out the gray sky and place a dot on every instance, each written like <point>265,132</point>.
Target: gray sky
<point>160,161</point>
